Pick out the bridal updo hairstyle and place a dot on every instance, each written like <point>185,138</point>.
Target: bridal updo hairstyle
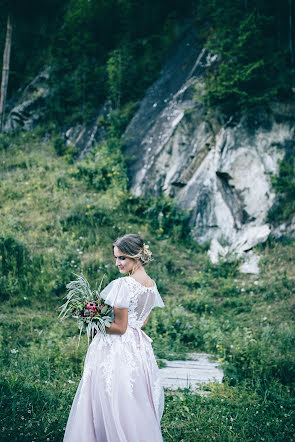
<point>132,246</point>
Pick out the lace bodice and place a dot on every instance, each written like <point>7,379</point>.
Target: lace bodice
<point>128,293</point>
<point>142,300</point>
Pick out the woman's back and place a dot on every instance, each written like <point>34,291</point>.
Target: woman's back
<point>139,299</point>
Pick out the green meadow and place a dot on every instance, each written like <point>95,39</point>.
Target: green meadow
<point>59,216</point>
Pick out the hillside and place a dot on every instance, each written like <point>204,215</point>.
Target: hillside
<point>61,207</point>
<point>59,217</point>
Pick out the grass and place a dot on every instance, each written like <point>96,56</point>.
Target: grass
<point>59,216</point>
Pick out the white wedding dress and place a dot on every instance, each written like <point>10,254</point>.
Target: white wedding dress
<point>120,397</point>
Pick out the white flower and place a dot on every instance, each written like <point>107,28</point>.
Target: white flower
<point>70,381</point>
<point>14,351</point>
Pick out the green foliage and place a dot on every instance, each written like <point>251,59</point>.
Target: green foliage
<point>103,168</point>
<point>252,66</point>
<point>118,119</point>
<point>62,149</point>
<point>63,220</point>
<point>284,186</point>
<point>163,216</point>
<point>108,50</point>
<point>4,141</point>
<point>174,330</point>
<point>34,24</point>
<point>229,414</point>
<point>16,268</point>
<point>121,71</point>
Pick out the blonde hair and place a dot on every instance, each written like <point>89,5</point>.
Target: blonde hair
<point>133,246</point>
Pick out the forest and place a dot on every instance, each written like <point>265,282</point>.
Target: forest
<point>61,213</point>
<point>114,49</point>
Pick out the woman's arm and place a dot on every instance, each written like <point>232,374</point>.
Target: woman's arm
<point>119,326</point>
<point>145,322</point>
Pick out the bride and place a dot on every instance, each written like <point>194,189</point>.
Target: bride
<point>120,397</point>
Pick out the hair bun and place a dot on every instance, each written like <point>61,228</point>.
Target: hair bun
<point>146,254</point>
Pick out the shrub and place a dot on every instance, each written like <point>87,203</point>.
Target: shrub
<point>104,167</point>
<point>16,268</point>
<point>284,185</point>
<point>163,216</point>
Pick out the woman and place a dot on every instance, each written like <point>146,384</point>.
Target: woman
<point>120,396</point>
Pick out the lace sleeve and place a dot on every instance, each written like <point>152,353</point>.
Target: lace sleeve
<point>158,300</point>
<point>116,294</point>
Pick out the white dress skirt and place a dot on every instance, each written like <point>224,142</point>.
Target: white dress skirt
<point>120,397</point>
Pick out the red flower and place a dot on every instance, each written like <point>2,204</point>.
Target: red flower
<point>91,306</point>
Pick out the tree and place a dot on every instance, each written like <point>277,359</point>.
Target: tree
<point>291,32</point>
<point>31,22</point>
<point>5,70</point>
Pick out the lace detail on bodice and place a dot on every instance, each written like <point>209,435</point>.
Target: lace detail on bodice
<point>142,300</point>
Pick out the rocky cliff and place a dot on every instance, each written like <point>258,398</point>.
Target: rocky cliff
<point>218,170</point>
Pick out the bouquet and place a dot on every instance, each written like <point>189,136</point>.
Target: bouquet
<point>85,305</point>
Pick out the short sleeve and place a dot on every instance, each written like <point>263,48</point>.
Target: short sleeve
<point>158,300</point>
<point>116,294</point>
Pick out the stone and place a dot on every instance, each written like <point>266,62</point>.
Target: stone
<point>247,239</point>
<point>251,263</point>
<point>191,373</point>
<point>30,104</point>
<point>84,137</point>
<point>285,230</point>
<point>216,251</point>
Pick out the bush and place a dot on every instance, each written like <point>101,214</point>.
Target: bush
<point>174,329</point>
<point>104,167</point>
<point>284,186</point>
<point>249,71</point>
<point>163,216</point>
<point>16,267</point>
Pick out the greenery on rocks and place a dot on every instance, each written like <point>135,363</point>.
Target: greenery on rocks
<point>113,50</point>
<point>254,60</point>
<point>284,186</point>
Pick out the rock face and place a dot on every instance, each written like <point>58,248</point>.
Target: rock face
<point>219,172</point>
<point>83,137</point>
<point>28,109</point>
<point>30,104</point>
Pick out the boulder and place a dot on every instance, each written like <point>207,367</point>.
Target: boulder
<point>29,104</point>
<point>83,137</point>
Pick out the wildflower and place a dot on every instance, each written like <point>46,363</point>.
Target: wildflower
<point>14,351</point>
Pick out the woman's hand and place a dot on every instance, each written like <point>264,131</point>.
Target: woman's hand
<point>119,326</point>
